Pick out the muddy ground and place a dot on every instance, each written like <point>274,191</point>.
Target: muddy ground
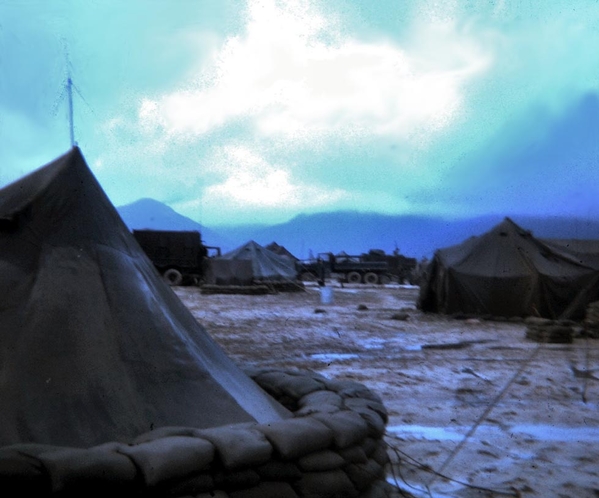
<point>473,400</point>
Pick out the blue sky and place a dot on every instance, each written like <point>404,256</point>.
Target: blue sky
<point>254,111</point>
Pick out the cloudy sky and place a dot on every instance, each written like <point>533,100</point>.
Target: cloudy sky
<point>235,111</point>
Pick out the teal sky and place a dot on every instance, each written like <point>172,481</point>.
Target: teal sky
<point>254,111</point>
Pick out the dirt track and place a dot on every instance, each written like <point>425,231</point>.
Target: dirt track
<point>537,404</point>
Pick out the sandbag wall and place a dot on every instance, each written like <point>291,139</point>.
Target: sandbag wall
<point>332,447</point>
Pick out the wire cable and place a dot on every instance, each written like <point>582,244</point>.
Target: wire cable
<point>484,415</point>
<point>426,468</point>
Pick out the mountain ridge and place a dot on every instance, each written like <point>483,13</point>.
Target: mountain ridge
<point>355,232</point>
<point>150,214</point>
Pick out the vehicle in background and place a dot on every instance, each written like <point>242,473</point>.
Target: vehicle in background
<point>402,268</point>
<point>374,267</point>
<point>179,256</point>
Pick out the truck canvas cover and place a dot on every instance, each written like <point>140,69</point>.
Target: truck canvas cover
<point>94,346</point>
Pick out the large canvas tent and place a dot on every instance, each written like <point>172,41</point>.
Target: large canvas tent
<point>586,252</point>
<point>508,272</point>
<point>94,346</point>
<point>266,265</point>
<point>281,251</point>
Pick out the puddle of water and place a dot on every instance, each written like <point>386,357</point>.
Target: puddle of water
<point>434,433</point>
<point>372,343</point>
<point>400,339</point>
<point>330,357</point>
<point>558,433</point>
<point>347,291</point>
<point>522,455</point>
<point>541,432</point>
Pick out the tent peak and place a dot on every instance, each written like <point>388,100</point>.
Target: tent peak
<point>508,226</point>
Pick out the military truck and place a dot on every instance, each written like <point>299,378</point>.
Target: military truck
<point>179,256</point>
<point>348,268</point>
<point>401,268</point>
<point>374,267</point>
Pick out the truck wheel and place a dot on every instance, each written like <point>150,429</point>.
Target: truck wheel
<point>384,279</point>
<point>371,278</point>
<point>173,276</point>
<point>353,277</point>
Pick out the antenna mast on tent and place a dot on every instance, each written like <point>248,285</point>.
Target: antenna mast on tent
<point>70,97</point>
<point>69,88</point>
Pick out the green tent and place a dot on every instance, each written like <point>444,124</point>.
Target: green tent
<point>94,346</point>
<point>266,265</point>
<point>508,272</point>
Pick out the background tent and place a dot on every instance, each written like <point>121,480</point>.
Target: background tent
<point>94,346</point>
<point>281,251</point>
<point>230,272</point>
<point>266,265</point>
<point>586,252</point>
<point>508,272</point>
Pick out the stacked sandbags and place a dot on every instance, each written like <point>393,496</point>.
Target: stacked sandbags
<point>591,320</point>
<point>549,331</point>
<point>332,447</point>
<point>285,286</point>
<point>251,290</point>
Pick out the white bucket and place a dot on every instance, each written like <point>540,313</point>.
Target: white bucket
<point>326,295</point>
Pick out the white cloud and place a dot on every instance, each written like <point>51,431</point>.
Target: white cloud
<point>296,76</point>
<point>251,181</point>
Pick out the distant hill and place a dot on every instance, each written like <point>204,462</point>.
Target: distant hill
<point>351,232</point>
<point>354,232</point>
<point>414,236</point>
<point>240,234</point>
<point>154,215</point>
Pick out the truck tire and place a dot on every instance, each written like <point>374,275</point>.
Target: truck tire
<point>353,277</point>
<point>384,279</point>
<point>173,276</point>
<point>371,278</point>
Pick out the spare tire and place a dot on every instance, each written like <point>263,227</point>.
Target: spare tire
<point>173,276</point>
<point>371,278</point>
